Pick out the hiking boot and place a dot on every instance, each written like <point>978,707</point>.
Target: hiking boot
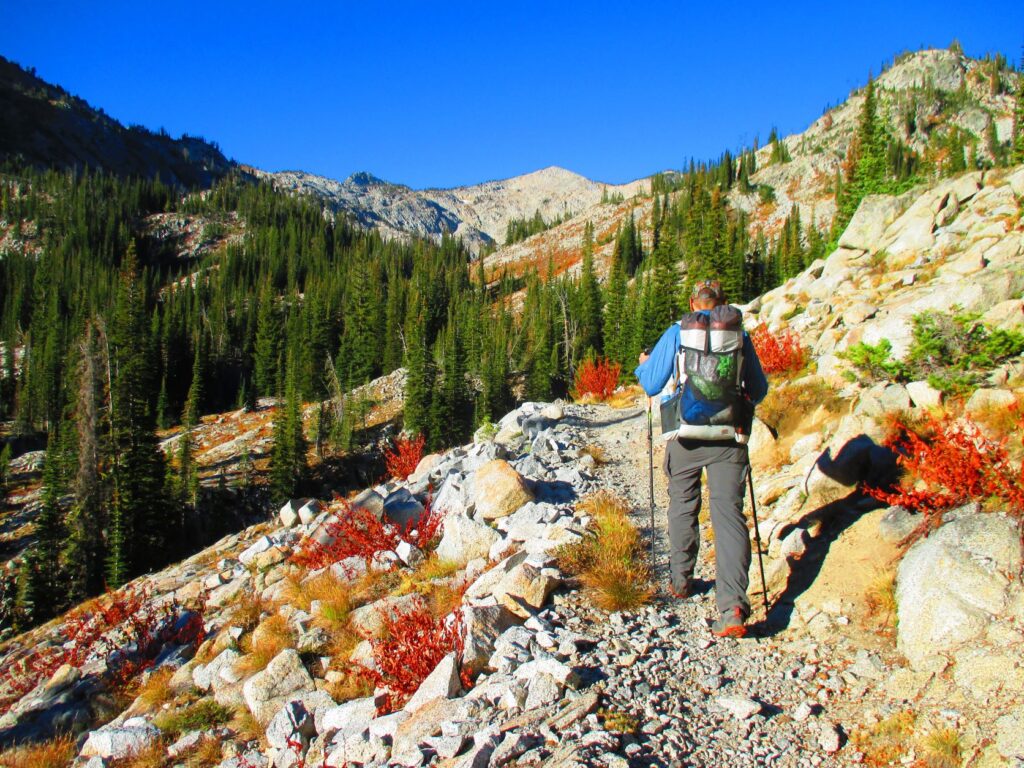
<point>683,592</point>
<point>730,624</point>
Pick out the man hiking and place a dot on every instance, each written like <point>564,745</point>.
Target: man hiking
<point>717,379</point>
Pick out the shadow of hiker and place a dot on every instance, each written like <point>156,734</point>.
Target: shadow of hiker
<point>835,502</point>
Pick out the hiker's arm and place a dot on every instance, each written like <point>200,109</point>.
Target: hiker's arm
<point>754,381</point>
<point>655,372</point>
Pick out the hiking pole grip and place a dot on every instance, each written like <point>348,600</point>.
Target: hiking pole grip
<point>757,539</point>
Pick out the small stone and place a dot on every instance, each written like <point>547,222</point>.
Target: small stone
<point>739,707</point>
<point>803,711</point>
<point>829,737</point>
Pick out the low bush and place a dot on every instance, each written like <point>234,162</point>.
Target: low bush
<point>596,379</point>
<point>952,352</point>
<point>200,716</point>
<point>610,560</point>
<point>948,462</point>
<point>411,645</point>
<point>887,741</point>
<point>787,407</point>
<point>356,532</point>
<point>403,457</point>
<point>779,353</point>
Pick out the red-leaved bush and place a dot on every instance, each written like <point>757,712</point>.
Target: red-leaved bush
<point>401,461</point>
<point>949,462</point>
<point>778,352</point>
<point>597,378</point>
<point>355,532</point>
<point>411,645</point>
<point>125,627</point>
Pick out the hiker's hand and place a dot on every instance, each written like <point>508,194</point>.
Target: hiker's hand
<point>644,357</point>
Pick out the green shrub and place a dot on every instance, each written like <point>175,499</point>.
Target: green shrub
<point>766,193</point>
<point>875,361</point>
<point>203,715</point>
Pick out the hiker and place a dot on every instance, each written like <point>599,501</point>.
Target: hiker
<point>707,421</point>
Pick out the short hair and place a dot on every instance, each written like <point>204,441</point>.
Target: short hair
<point>707,289</point>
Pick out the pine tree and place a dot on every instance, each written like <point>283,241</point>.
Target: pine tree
<point>614,325</point>
<point>140,522</point>
<point>1017,149</point>
<point>268,344</point>
<point>590,319</point>
<point>288,454</point>
<point>420,376</point>
<point>42,593</point>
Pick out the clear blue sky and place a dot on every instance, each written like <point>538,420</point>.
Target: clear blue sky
<point>450,93</point>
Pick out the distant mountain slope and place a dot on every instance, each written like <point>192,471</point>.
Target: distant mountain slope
<point>479,214</point>
<point>45,126</point>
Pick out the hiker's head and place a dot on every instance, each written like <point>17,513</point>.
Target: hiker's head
<point>707,294</point>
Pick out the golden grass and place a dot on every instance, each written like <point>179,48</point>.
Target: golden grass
<point>610,559</point>
<point>56,753</point>
<point>272,636</point>
<point>886,741</point>
<point>333,594</point>
<point>207,755</point>
<point>153,756</point>
<point>246,726</point>
<point>880,596</point>
<point>248,609</point>
<point>348,687</point>
<point>626,397</point>
<point>596,452</point>
<point>617,721</point>
<point>941,749</point>
<point>789,406</point>
<point>156,691</point>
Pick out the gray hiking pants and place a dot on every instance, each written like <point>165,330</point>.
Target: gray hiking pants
<point>726,464</point>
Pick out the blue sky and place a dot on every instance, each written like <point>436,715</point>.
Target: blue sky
<point>443,94</point>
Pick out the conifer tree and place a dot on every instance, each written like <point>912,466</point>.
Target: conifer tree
<point>1017,149</point>
<point>420,375</point>
<point>268,344</point>
<point>288,455</point>
<point>590,303</point>
<point>140,521</point>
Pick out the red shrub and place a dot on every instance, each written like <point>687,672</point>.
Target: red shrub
<point>402,460</point>
<point>126,627</point>
<point>956,463</point>
<point>356,532</point>
<point>596,377</point>
<point>778,352</point>
<point>411,645</point>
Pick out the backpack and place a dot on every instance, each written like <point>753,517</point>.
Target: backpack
<point>708,403</point>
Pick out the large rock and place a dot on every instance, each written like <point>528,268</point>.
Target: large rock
<point>872,218</point>
<point>951,585</point>
<point>352,717</point>
<point>292,724</point>
<point>442,683</point>
<point>499,490</point>
<point>465,539</point>
<point>115,742</point>
<point>484,624</point>
<point>283,680</point>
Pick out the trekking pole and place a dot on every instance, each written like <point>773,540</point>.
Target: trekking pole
<point>650,478</point>
<point>757,539</point>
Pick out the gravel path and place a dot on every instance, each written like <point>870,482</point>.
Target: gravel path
<point>696,699</point>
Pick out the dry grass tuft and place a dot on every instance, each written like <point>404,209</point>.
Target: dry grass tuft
<point>272,636</point>
<point>610,559</point>
<point>941,749</point>
<point>156,691</point>
<point>207,755</point>
<point>793,406</point>
<point>56,753</point>
<point>625,397</point>
<point>334,595</point>
<point>248,610</point>
<point>887,741</point>
<point>880,596</point>
<point>153,756</point>
<point>596,452</point>
<point>348,687</point>
<point>246,726</point>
